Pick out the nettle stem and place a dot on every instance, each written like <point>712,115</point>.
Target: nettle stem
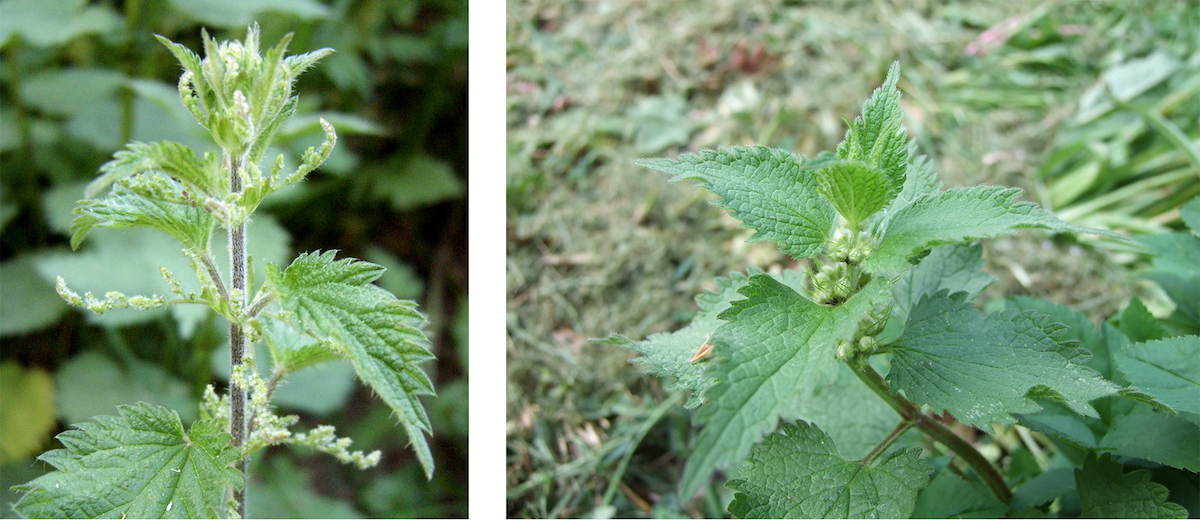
<point>911,413</point>
<point>237,336</point>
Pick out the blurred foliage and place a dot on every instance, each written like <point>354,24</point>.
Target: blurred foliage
<point>78,79</point>
<point>595,245</point>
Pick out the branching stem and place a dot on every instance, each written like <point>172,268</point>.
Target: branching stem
<point>909,412</point>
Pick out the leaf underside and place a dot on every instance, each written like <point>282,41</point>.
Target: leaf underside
<point>981,368</point>
<point>380,335</point>
<point>192,227</point>
<point>766,189</point>
<point>140,464</point>
<point>797,473</point>
<point>780,346</point>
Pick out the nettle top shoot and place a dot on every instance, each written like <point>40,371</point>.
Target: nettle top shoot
<point>890,274</point>
<point>144,463</point>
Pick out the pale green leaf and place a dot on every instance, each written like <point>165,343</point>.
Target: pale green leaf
<point>1167,369</point>
<point>956,268</point>
<point>797,473</point>
<point>335,302</point>
<point>877,136</point>
<point>856,189</point>
<point>282,490</point>
<point>775,348</point>
<point>766,189</point>
<point>171,158</point>
<point>291,349</point>
<point>1106,491</point>
<point>141,464</point>
<point>191,226</point>
<point>48,23</point>
<point>68,90</point>
<point>959,215</point>
<point>29,303</point>
<point>920,184</point>
<point>92,384</point>
<point>981,368</point>
<point>27,414</point>
<point>237,14</point>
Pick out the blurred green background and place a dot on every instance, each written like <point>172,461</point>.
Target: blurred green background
<point>78,79</point>
<point>1090,106</point>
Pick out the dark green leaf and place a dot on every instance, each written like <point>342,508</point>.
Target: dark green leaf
<point>956,268</point>
<point>1106,491</point>
<point>981,367</point>
<point>797,473</point>
<point>949,496</point>
<point>1167,369</point>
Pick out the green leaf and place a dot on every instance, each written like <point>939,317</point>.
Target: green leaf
<point>1167,369</point>
<point>764,188</point>
<point>981,368</point>
<point>413,181</point>
<point>857,190</point>
<point>334,301</point>
<point>91,384</point>
<point>49,24</point>
<point>797,473</point>
<point>174,159</point>
<point>29,302</point>
<point>850,413</point>
<point>27,415</point>
<point>774,349</point>
<point>68,90</point>
<point>670,353</point>
<point>236,14</point>
<point>1138,324</point>
<point>141,464</point>
<point>1191,215</point>
<point>1153,435</point>
<point>877,136</point>
<point>920,184</point>
<point>1049,485</point>
<point>959,215</point>
<point>283,490</point>
<point>192,227</point>
<point>291,349</point>
<point>949,496</point>
<point>956,268</point>
<point>1106,491</point>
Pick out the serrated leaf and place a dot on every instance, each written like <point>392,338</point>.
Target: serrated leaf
<point>171,158</point>
<point>1138,324</point>
<point>981,368</point>
<point>850,413</point>
<point>797,473</point>
<point>920,183</point>
<point>1158,436</point>
<point>1167,369</point>
<point>780,346</point>
<point>956,268</point>
<point>766,189</point>
<point>1190,213</point>
<point>140,464</point>
<point>1106,491</point>
<point>856,189</point>
<point>960,215</point>
<point>28,414</point>
<point>192,227</point>
<point>334,301</point>
<point>949,496</point>
<point>877,136</point>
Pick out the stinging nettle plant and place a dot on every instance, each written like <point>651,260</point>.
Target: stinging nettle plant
<point>879,327</point>
<point>144,463</point>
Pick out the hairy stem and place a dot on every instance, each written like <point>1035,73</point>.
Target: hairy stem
<point>900,429</point>
<point>237,336</point>
<point>934,429</point>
